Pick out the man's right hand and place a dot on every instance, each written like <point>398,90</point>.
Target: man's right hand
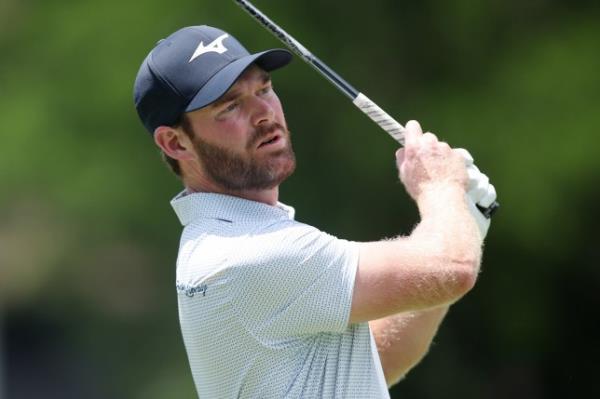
<point>426,164</point>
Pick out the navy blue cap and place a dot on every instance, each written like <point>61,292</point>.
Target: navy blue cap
<point>192,68</point>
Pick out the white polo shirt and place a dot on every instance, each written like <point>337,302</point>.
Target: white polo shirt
<point>264,303</point>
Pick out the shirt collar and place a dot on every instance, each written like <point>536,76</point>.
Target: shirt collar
<point>191,206</point>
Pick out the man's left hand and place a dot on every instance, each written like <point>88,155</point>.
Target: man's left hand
<point>479,192</point>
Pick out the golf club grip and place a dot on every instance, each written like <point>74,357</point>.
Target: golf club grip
<point>379,116</point>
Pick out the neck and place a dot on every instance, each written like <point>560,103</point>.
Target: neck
<point>268,196</point>
<point>196,181</point>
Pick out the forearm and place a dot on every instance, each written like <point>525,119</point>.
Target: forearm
<point>434,266</point>
<point>447,225</point>
<point>450,244</point>
<point>403,339</point>
<point>445,248</point>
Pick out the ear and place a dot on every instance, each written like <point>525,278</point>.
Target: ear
<point>174,143</point>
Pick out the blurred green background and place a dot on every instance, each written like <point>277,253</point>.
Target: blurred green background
<point>88,239</point>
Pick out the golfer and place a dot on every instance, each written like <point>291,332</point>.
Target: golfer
<point>271,307</point>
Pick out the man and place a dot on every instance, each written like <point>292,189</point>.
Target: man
<point>270,307</point>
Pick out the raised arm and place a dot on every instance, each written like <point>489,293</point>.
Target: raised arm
<point>439,262</point>
<point>403,340</point>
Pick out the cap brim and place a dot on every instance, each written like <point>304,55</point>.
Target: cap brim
<point>221,82</point>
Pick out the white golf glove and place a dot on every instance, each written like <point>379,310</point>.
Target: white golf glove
<point>479,191</point>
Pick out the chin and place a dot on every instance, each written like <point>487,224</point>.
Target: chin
<point>281,171</point>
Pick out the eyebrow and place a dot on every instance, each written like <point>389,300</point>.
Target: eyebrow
<point>232,94</point>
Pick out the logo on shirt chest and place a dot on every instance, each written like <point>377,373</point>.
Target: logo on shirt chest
<point>190,291</point>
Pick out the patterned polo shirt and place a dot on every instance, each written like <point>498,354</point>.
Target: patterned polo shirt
<point>264,303</point>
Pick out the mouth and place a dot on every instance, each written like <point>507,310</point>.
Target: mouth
<point>270,140</point>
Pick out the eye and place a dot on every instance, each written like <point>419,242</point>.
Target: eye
<point>228,110</point>
<point>231,107</point>
<point>265,90</point>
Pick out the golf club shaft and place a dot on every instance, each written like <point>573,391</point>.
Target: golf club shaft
<point>372,110</point>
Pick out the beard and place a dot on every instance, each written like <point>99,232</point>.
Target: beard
<point>241,172</point>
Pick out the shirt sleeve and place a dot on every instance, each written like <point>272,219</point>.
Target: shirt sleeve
<point>292,281</point>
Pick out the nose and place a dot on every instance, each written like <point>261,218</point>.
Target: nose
<point>262,111</point>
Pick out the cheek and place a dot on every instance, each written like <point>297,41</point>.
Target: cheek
<point>232,133</point>
<point>277,107</point>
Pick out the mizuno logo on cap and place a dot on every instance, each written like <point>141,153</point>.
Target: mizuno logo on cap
<point>216,46</point>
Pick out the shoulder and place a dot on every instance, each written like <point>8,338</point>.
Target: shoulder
<point>290,251</point>
<point>291,238</point>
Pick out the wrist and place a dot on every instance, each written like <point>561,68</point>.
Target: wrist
<point>440,197</point>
